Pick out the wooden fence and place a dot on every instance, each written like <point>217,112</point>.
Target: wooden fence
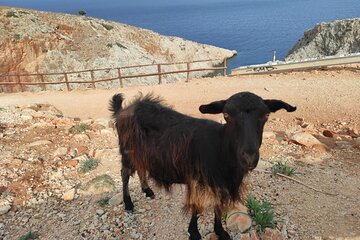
<point>17,79</point>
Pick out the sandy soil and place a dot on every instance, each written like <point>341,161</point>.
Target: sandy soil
<point>323,98</point>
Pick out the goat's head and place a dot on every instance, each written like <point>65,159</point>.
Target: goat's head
<point>245,114</point>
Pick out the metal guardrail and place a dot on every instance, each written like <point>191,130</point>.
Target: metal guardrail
<point>119,75</point>
<point>274,67</point>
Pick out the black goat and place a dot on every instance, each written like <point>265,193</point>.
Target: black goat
<point>211,159</point>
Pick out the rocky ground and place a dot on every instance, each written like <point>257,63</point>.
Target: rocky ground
<point>44,148</point>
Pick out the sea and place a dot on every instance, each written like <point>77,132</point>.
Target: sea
<point>254,28</point>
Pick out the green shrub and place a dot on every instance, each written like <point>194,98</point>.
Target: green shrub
<point>283,168</point>
<point>82,12</point>
<point>30,235</point>
<point>81,128</point>
<point>10,14</point>
<point>103,202</point>
<point>262,213</point>
<point>88,165</point>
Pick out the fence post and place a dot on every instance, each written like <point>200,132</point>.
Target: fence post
<point>67,82</point>
<point>92,79</point>
<point>120,78</point>
<point>159,71</point>
<point>225,67</point>
<point>43,86</point>
<point>19,81</point>
<point>188,72</point>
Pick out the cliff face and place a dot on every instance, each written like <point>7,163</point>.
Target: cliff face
<point>328,39</point>
<point>33,41</point>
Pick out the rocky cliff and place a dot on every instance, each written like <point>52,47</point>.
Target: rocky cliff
<point>42,42</point>
<point>328,39</point>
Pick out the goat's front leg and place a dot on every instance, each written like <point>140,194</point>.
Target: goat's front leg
<point>193,228</point>
<point>126,172</point>
<point>218,228</point>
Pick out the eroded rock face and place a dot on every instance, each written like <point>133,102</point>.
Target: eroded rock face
<point>328,39</point>
<point>42,42</point>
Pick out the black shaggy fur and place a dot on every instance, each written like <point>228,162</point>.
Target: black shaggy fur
<point>211,159</point>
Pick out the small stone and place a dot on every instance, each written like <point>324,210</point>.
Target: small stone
<point>328,133</point>
<point>134,235</point>
<point>69,195</point>
<point>4,209</point>
<point>305,139</point>
<point>70,163</point>
<point>117,199</point>
<point>320,147</point>
<point>82,137</point>
<point>272,234</point>
<point>39,142</point>
<point>100,212</point>
<point>61,151</point>
<point>269,135</point>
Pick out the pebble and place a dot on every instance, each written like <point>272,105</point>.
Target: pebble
<point>69,195</point>
<point>115,200</point>
<point>39,143</point>
<point>100,212</point>
<point>4,209</point>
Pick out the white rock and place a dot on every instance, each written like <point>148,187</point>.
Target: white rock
<point>61,151</point>
<point>4,209</point>
<point>69,195</point>
<point>305,139</point>
<point>39,142</point>
<point>269,135</point>
<point>117,199</point>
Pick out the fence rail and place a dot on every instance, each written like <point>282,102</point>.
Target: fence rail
<point>120,76</point>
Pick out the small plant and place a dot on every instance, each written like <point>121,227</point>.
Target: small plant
<point>283,168</point>
<point>81,128</point>
<point>88,165</point>
<point>262,213</point>
<point>30,235</point>
<point>10,14</point>
<point>103,202</point>
<point>82,12</point>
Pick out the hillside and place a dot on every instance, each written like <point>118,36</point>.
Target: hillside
<point>35,41</point>
<point>328,39</point>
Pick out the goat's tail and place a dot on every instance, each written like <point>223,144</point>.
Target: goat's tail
<point>115,103</point>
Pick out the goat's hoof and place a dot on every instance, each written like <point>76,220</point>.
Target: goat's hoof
<point>224,236</point>
<point>149,193</point>
<point>129,207</point>
<point>195,236</point>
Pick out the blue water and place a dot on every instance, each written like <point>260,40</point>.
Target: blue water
<point>254,28</point>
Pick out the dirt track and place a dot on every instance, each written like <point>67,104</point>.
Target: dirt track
<point>325,100</point>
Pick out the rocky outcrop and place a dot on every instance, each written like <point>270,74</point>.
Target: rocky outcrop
<point>328,39</point>
<point>42,42</point>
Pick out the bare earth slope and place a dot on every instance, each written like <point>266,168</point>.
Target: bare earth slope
<point>35,177</point>
<point>44,42</point>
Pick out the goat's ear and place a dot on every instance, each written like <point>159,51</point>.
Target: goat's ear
<point>213,108</point>
<point>275,105</point>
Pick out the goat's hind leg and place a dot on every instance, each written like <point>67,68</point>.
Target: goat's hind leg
<point>218,228</point>
<point>193,228</point>
<point>145,186</point>
<point>126,172</point>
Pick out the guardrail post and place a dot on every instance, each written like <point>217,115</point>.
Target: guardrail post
<point>43,86</point>
<point>225,67</point>
<point>92,79</point>
<point>188,72</point>
<point>20,84</point>
<point>159,71</point>
<point>67,81</point>
<point>120,78</point>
